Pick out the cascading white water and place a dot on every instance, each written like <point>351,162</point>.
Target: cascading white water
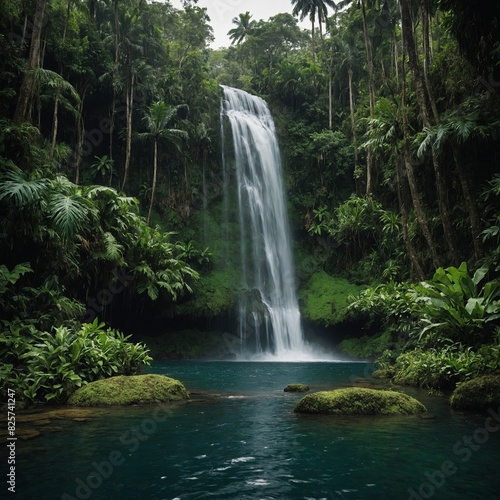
<point>270,324</point>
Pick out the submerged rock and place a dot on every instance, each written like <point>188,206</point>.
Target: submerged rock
<point>128,390</point>
<point>479,393</point>
<point>296,388</point>
<point>359,401</point>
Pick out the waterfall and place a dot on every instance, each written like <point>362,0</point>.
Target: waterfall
<point>269,316</point>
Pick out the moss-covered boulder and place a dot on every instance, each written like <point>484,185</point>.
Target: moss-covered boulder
<point>123,390</point>
<point>479,393</point>
<point>359,401</point>
<point>296,388</point>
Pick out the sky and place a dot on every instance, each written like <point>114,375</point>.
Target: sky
<point>222,12</point>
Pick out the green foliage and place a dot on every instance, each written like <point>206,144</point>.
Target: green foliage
<point>9,278</point>
<point>214,294</point>
<point>187,344</point>
<point>369,235</point>
<point>50,366</point>
<point>368,347</point>
<point>454,306</point>
<point>445,367</point>
<point>325,298</point>
<point>451,320</point>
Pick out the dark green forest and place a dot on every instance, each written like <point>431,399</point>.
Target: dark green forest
<point>111,186</point>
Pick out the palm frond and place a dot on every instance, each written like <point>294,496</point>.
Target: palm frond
<point>19,190</point>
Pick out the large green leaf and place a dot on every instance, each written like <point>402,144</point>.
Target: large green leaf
<point>19,190</point>
<point>68,213</point>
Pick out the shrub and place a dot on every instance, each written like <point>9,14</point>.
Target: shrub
<point>49,367</point>
<point>444,368</point>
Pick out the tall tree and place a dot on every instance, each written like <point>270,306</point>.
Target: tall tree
<point>312,9</point>
<point>244,27</point>
<point>156,120</point>
<point>421,95</point>
<point>27,86</point>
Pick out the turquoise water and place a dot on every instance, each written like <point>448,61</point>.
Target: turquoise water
<point>238,438</point>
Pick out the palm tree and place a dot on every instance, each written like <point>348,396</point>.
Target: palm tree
<point>58,90</point>
<point>313,9</point>
<point>244,27</point>
<point>156,120</point>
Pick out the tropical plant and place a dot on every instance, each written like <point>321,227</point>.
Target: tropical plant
<point>314,9</point>
<point>244,27</point>
<point>458,307</point>
<point>156,120</point>
<point>50,366</point>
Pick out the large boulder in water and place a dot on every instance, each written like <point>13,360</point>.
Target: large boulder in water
<point>479,393</point>
<point>128,390</point>
<point>359,401</point>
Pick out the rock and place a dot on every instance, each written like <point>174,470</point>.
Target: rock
<point>296,388</point>
<point>128,390</point>
<point>479,393</point>
<point>359,401</point>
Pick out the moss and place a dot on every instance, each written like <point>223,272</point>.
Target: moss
<point>359,401</point>
<point>382,373</point>
<point>296,388</point>
<point>480,393</point>
<point>213,294</point>
<point>367,346</point>
<point>135,389</point>
<point>324,299</point>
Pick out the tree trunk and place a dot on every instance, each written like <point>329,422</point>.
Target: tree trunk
<point>470,204</point>
<point>412,183</point>
<point>369,59</point>
<point>427,61</point>
<point>55,121</point>
<point>313,39</point>
<point>330,97</point>
<point>80,133</point>
<point>421,94</point>
<point>153,187</point>
<point>27,86</point>
<point>371,93</point>
<point>128,146</point>
<point>404,220</point>
<point>353,127</point>
<point>396,57</point>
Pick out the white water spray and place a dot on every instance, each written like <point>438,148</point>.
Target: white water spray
<point>270,325</point>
